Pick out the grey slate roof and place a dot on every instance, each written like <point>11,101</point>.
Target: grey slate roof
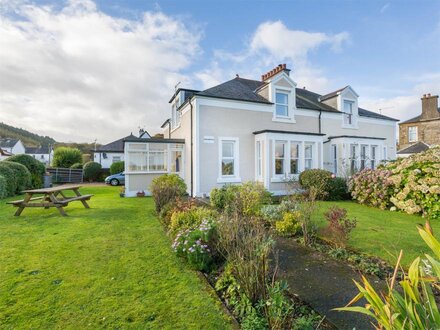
<point>246,90</point>
<point>236,89</point>
<point>332,94</point>
<point>415,119</point>
<point>37,150</point>
<point>115,146</point>
<point>415,148</point>
<point>7,142</point>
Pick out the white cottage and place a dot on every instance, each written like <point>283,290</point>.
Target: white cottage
<point>264,130</point>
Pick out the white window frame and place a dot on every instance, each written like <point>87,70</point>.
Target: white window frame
<point>334,156</point>
<point>412,130</point>
<point>363,155</point>
<point>284,158</point>
<point>276,115</point>
<point>298,158</point>
<point>385,154</point>
<point>373,156</point>
<point>259,159</point>
<point>235,178</point>
<point>353,158</point>
<point>312,159</point>
<point>113,159</point>
<point>350,115</point>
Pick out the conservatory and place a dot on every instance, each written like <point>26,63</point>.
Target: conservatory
<point>148,158</point>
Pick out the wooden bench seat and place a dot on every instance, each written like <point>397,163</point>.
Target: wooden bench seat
<point>18,202</point>
<point>75,198</point>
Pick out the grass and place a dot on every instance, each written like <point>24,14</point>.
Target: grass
<point>382,233</point>
<point>110,266</point>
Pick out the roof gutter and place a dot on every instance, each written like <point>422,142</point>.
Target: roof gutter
<point>319,121</point>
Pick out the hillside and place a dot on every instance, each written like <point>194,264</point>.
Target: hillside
<point>29,139</point>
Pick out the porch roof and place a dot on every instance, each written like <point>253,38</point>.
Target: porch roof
<point>153,140</point>
<point>286,132</point>
<point>355,137</point>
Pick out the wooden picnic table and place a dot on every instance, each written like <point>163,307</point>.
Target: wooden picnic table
<point>51,197</point>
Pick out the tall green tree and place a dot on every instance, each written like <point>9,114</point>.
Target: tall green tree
<point>65,157</point>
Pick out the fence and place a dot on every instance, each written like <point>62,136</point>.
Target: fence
<point>66,175</point>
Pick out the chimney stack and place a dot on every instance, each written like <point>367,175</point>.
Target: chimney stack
<point>275,71</point>
<point>430,106</point>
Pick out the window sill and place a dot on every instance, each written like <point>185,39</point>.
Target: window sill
<point>284,120</point>
<point>284,179</point>
<point>350,126</point>
<point>229,180</point>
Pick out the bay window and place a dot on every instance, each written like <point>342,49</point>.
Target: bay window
<point>308,156</point>
<point>259,151</point>
<point>279,157</point>
<point>281,104</point>
<point>294,158</point>
<point>373,156</point>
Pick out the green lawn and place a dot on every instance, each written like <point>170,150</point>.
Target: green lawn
<point>110,266</point>
<point>383,233</point>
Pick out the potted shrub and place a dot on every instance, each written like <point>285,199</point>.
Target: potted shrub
<point>140,194</point>
<point>122,192</point>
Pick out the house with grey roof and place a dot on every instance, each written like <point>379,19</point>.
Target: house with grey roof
<point>423,131</point>
<point>42,153</point>
<point>12,146</point>
<point>266,130</point>
<point>113,152</point>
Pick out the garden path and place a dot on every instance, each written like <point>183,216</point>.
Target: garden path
<point>322,282</point>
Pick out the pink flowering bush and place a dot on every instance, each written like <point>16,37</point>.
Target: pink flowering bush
<point>195,246</point>
<point>409,184</point>
<point>416,181</point>
<point>372,187</point>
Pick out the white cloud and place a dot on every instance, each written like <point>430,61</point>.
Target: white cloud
<point>273,43</point>
<point>76,73</point>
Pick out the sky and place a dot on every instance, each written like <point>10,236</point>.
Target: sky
<point>82,70</point>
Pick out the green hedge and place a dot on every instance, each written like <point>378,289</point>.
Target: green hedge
<point>117,167</point>
<point>92,171</point>
<point>9,175</point>
<point>34,166</point>
<point>23,179</point>
<point>3,187</point>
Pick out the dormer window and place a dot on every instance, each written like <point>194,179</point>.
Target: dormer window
<point>282,104</point>
<point>348,112</point>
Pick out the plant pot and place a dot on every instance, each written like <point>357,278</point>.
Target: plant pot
<point>140,194</point>
<point>121,194</point>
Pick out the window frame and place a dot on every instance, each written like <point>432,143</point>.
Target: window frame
<point>363,155</point>
<point>287,94</point>
<point>274,158</point>
<point>373,156</point>
<point>311,158</point>
<point>334,156</point>
<point>297,158</point>
<point>415,132</point>
<point>353,158</point>
<point>349,115</point>
<point>259,159</point>
<point>236,157</point>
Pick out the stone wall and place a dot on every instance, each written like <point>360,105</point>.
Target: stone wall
<point>428,131</point>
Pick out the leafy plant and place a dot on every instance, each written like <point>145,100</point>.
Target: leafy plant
<point>117,167</point>
<point>338,190</point>
<point>35,167</point>
<point>92,170</point>
<point>339,226</point>
<point>277,307</point>
<point>166,188</point>
<point>413,308</point>
<point>65,157</point>
<point>318,179</point>
<point>190,219</point>
<point>290,224</point>
<point>21,176</point>
<point>307,208</point>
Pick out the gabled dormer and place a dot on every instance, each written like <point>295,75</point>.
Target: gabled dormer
<point>280,89</point>
<point>346,101</point>
<point>178,98</point>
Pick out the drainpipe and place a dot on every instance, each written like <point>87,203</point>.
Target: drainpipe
<point>319,122</point>
<point>191,146</point>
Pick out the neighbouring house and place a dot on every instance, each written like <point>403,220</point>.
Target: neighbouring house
<point>12,146</point>
<point>419,133</point>
<point>264,130</point>
<point>113,152</point>
<point>4,154</point>
<point>43,154</point>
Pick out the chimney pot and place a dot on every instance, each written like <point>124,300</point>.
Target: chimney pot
<point>429,94</point>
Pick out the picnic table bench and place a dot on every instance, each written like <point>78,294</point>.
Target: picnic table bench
<point>51,197</point>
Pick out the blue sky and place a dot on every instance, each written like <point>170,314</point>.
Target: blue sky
<point>388,51</point>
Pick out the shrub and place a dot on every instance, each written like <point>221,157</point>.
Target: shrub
<point>194,246</point>
<point>3,187</point>
<point>245,243</point>
<point>318,179</point>
<point>92,171</point>
<point>339,226</point>
<point>11,180</point>
<point>307,207</point>
<point>338,190</point>
<point>65,157</point>
<point>372,187</point>
<point>117,167</point>
<point>245,199</point>
<point>290,225</point>
<point>273,213</point>
<point>77,166</point>
<point>22,176</point>
<point>34,166</point>
<point>189,219</point>
<point>166,188</point>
